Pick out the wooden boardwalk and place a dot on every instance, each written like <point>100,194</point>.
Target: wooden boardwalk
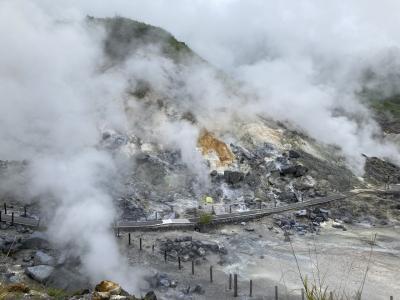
<point>233,217</point>
<point>17,218</point>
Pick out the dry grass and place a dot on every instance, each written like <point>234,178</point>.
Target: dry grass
<point>317,288</point>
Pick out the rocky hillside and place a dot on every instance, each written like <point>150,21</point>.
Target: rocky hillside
<point>179,157</point>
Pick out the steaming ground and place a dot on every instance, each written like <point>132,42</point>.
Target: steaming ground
<point>116,119</point>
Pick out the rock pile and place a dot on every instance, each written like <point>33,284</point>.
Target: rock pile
<point>306,221</point>
<point>189,249</point>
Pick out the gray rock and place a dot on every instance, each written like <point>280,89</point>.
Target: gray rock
<point>67,280</point>
<point>293,154</point>
<point>42,258</point>
<point>150,296</point>
<point>201,251</point>
<point>37,241</point>
<point>165,282</point>
<point>233,177</point>
<point>40,273</point>
<point>296,171</point>
<point>198,289</point>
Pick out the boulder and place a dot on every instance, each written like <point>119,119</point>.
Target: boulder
<point>67,280</point>
<point>37,241</point>
<point>293,154</point>
<point>150,296</point>
<point>159,279</point>
<point>108,286</point>
<point>296,171</point>
<point>288,197</point>
<point>338,225</point>
<point>233,177</point>
<point>39,273</point>
<point>198,289</point>
<point>42,258</point>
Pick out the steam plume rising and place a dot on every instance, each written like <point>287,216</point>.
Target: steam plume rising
<point>53,104</point>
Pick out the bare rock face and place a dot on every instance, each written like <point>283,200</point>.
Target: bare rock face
<point>380,171</point>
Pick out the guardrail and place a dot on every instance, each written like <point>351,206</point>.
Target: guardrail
<point>226,218</point>
<point>17,218</point>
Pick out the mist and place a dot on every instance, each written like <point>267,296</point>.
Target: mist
<point>53,104</point>
<point>296,59</point>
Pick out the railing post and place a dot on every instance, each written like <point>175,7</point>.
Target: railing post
<point>235,286</point>
<point>129,238</point>
<point>25,211</point>
<point>179,262</point>
<point>251,288</point>
<point>330,295</point>
<point>0,215</point>
<point>391,297</point>
<point>5,208</point>
<point>152,248</point>
<point>211,273</point>
<point>140,244</point>
<point>165,256</point>
<point>192,267</point>
<point>276,292</point>
<point>230,209</point>
<point>12,218</point>
<point>230,281</point>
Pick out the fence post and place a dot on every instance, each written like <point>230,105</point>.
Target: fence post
<point>330,295</point>
<point>230,209</point>
<point>25,211</point>
<point>179,262</point>
<point>152,248</point>
<point>156,216</point>
<point>5,208</point>
<point>276,292</point>
<point>211,273</point>
<point>140,244</point>
<point>12,218</point>
<point>0,215</point>
<point>251,288</point>
<point>302,294</point>
<point>129,238</point>
<point>165,256</point>
<point>192,267</point>
<point>235,287</point>
<point>391,297</point>
<point>230,281</point>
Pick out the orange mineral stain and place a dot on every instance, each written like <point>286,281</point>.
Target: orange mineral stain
<point>208,143</point>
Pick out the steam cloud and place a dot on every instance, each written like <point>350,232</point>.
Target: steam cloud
<point>299,62</point>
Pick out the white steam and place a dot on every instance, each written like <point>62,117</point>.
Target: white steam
<point>52,103</point>
<point>303,61</point>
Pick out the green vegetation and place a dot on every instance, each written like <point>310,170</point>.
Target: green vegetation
<point>205,218</point>
<point>57,294</point>
<point>125,36</point>
<point>389,105</point>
